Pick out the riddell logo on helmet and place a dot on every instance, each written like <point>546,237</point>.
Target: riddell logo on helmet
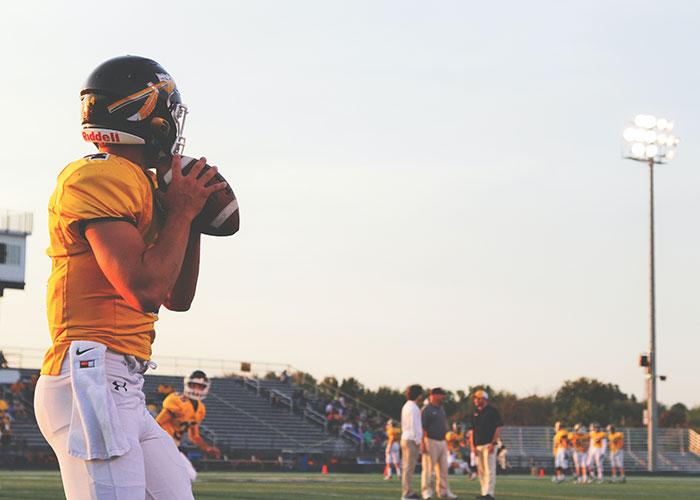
<point>110,136</point>
<point>97,136</point>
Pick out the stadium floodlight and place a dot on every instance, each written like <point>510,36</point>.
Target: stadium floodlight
<point>649,140</point>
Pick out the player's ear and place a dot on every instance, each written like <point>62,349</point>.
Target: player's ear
<point>160,128</point>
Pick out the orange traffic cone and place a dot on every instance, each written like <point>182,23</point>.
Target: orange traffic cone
<point>541,472</point>
<point>324,469</point>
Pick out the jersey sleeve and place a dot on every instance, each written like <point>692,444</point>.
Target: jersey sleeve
<point>97,191</point>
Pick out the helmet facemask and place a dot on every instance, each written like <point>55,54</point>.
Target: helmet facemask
<point>179,112</point>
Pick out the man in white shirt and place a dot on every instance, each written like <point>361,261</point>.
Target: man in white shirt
<point>411,436</point>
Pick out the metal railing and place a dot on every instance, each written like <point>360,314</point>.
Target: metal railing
<point>326,390</point>
<point>678,449</point>
<point>27,357</point>
<point>306,413</point>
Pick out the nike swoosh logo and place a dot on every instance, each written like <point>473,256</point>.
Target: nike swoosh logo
<point>79,352</point>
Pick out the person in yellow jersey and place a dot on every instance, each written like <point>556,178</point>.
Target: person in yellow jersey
<point>182,413</point>
<point>456,448</point>
<point>579,442</point>
<point>596,450</point>
<point>393,449</point>
<point>616,440</point>
<point>559,450</point>
<point>120,250</point>
<point>453,438</point>
<point>473,463</point>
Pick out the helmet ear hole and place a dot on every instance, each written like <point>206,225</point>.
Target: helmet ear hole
<point>160,127</point>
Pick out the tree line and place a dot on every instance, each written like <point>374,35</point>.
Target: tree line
<point>577,401</point>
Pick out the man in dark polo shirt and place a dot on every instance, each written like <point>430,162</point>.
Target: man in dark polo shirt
<point>486,426</point>
<point>434,447</point>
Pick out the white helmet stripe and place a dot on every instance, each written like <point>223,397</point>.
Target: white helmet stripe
<point>109,136</point>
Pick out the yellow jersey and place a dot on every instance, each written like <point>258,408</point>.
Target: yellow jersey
<point>393,434</point>
<point>617,441</point>
<point>181,415</point>
<point>454,440</point>
<point>81,302</point>
<point>579,440</point>
<point>597,438</point>
<point>561,440</point>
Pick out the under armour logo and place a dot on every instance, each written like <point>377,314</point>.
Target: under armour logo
<point>119,385</point>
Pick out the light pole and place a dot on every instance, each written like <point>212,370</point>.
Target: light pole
<point>649,140</point>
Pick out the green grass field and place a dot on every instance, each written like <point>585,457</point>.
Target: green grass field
<point>42,485</point>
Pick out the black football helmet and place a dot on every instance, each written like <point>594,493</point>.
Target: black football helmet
<point>133,100</point>
<point>196,386</point>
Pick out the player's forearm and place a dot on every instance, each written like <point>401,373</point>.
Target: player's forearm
<point>162,263</point>
<point>142,275</point>
<point>181,296</point>
<point>496,435</point>
<point>200,443</point>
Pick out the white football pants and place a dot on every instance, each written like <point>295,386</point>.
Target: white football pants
<point>152,469</point>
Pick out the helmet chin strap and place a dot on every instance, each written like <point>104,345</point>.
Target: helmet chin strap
<point>179,115</point>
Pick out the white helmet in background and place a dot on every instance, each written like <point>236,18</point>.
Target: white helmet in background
<point>196,386</point>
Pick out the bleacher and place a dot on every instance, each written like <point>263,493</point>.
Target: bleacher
<point>243,418</point>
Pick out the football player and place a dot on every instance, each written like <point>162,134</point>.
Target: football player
<point>182,414</point>
<point>453,437</point>
<point>596,451</point>
<point>561,445</point>
<point>473,463</point>
<point>120,250</point>
<point>456,448</point>
<point>393,449</point>
<point>579,440</point>
<point>617,442</point>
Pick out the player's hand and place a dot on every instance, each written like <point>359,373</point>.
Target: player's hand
<point>187,194</point>
<point>213,450</point>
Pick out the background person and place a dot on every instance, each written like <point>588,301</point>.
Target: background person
<point>486,431</point>
<point>559,449</point>
<point>457,448</point>
<point>434,447</point>
<point>411,436</point>
<point>393,449</point>
<point>473,460</point>
<point>579,440</point>
<point>617,443</point>
<point>596,450</point>
<point>182,414</point>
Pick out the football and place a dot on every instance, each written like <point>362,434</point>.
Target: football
<point>219,216</point>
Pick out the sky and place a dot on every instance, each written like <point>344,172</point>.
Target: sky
<point>430,192</point>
